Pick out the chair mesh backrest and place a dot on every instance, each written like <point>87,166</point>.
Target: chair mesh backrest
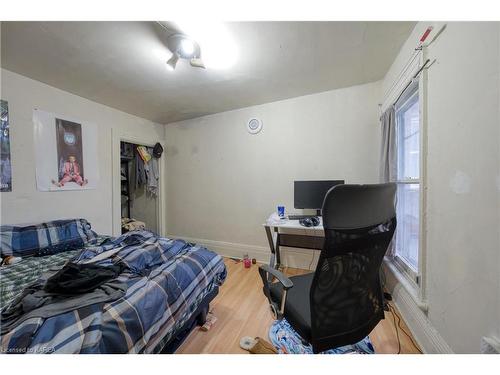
<point>346,296</point>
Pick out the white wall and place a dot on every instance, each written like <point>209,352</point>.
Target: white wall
<point>144,208</point>
<point>223,182</point>
<point>25,203</point>
<point>463,164</point>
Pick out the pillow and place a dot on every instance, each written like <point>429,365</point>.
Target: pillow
<point>46,238</point>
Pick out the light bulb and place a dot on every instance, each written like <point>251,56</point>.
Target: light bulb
<point>218,47</point>
<point>187,47</point>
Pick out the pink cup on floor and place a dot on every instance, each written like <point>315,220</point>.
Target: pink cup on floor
<point>247,262</point>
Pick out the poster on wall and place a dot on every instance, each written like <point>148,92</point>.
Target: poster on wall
<point>66,153</point>
<point>5,166</point>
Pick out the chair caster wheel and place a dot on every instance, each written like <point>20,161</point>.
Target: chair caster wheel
<point>274,311</point>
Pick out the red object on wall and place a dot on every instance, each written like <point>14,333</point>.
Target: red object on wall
<point>426,34</point>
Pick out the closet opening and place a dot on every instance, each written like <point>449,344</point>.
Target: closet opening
<point>139,186</point>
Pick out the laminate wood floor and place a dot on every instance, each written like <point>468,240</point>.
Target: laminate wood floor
<point>242,310</point>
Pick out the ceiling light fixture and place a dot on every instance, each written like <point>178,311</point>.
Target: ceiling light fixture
<point>188,39</point>
<point>214,39</point>
<point>172,62</point>
<point>197,63</point>
<point>183,47</point>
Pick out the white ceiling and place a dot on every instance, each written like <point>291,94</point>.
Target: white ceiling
<point>118,63</point>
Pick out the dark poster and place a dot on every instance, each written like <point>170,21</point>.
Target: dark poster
<point>69,153</point>
<point>5,167</point>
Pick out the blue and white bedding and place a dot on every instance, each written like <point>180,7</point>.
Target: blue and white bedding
<point>166,279</point>
<point>15,277</point>
<point>45,239</point>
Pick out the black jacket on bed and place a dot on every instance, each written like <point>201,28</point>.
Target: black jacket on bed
<point>72,287</point>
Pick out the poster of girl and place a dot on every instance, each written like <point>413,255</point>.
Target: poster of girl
<point>66,152</point>
<point>5,166</point>
<point>69,153</point>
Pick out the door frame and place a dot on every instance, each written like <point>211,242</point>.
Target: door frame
<point>149,141</point>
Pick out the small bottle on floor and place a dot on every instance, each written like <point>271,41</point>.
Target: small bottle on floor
<point>247,261</point>
<point>211,319</point>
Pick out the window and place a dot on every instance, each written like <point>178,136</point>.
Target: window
<point>408,182</point>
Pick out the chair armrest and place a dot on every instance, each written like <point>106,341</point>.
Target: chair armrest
<point>265,271</point>
<point>285,281</point>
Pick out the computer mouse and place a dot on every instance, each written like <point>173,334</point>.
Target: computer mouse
<point>305,222</point>
<point>309,222</point>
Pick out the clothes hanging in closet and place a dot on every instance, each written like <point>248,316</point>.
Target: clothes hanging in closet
<point>140,173</point>
<point>153,176</point>
<point>146,172</point>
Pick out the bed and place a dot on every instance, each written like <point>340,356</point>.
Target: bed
<point>168,286</point>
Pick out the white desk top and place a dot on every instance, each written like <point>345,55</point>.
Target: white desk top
<point>294,226</point>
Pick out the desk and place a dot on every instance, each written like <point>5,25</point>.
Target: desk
<point>290,233</point>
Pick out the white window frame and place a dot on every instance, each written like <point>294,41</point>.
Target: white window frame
<point>404,267</point>
<point>415,283</point>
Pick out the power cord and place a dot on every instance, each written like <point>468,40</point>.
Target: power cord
<point>312,260</point>
<point>395,326</point>
<point>394,313</point>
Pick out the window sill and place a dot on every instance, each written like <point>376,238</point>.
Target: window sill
<point>408,284</point>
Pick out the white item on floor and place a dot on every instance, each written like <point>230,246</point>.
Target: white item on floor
<point>247,342</point>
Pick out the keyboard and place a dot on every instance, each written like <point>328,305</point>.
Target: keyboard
<point>299,217</point>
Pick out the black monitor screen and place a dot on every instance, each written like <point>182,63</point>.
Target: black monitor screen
<point>310,194</point>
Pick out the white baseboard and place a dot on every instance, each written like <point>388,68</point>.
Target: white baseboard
<point>296,258</point>
<point>230,249</point>
<point>427,337</point>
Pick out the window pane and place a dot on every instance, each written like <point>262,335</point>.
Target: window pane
<point>407,234</point>
<point>409,139</point>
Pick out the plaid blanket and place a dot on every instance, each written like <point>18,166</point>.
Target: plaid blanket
<point>46,238</point>
<point>14,278</point>
<point>165,279</point>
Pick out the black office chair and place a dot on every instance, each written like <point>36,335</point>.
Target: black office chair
<point>342,301</point>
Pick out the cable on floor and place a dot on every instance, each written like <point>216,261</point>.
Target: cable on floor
<point>395,326</point>
<point>312,260</point>
<point>393,311</point>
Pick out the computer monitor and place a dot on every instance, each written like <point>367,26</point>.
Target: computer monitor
<point>310,194</point>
